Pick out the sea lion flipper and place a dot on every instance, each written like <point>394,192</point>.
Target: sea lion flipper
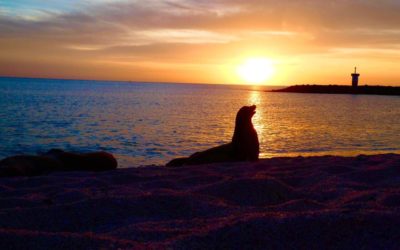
<point>178,162</point>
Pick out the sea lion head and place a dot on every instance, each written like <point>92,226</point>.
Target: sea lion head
<point>245,114</point>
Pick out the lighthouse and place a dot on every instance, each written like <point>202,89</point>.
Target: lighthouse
<point>354,78</point>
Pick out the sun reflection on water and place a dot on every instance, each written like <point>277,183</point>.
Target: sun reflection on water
<point>255,98</point>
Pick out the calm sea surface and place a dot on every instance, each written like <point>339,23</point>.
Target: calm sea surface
<point>144,124</point>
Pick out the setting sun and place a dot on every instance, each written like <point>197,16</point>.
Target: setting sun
<point>256,70</point>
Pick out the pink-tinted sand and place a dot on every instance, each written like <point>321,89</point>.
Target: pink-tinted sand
<point>280,203</point>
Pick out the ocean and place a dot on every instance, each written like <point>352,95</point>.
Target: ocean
<point>151,123</point>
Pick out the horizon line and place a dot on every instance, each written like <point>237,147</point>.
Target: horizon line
<point>193,83</point>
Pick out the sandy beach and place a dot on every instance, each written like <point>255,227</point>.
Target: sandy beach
<point>324,202</point>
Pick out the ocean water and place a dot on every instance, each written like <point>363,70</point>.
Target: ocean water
<point>144,124</point>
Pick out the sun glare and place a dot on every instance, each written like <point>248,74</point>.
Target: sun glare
<point>256,70</point>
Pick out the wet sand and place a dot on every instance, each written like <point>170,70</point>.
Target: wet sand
<point>324,202</point>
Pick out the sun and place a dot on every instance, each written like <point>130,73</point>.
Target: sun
<point>256,70</point>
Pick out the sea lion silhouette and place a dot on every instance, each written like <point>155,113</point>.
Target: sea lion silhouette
<point>56,160</point>
<point>92,161</point>
<point>244,145</point>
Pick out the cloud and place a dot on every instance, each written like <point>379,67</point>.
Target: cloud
<point>203,31</point>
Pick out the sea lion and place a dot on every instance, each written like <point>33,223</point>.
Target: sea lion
<point>28,165</point>
<point>56,160</point>
<point>94,161</point>
<point>244,145</point>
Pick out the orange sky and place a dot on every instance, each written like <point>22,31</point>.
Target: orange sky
<point>199,41</point>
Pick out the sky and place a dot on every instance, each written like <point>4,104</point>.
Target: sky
<point>201,41</point>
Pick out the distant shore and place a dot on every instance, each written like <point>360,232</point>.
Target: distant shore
<point>285,202</point>
<point>341,89</point>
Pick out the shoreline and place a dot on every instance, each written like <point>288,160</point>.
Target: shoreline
<point>282,202</point>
